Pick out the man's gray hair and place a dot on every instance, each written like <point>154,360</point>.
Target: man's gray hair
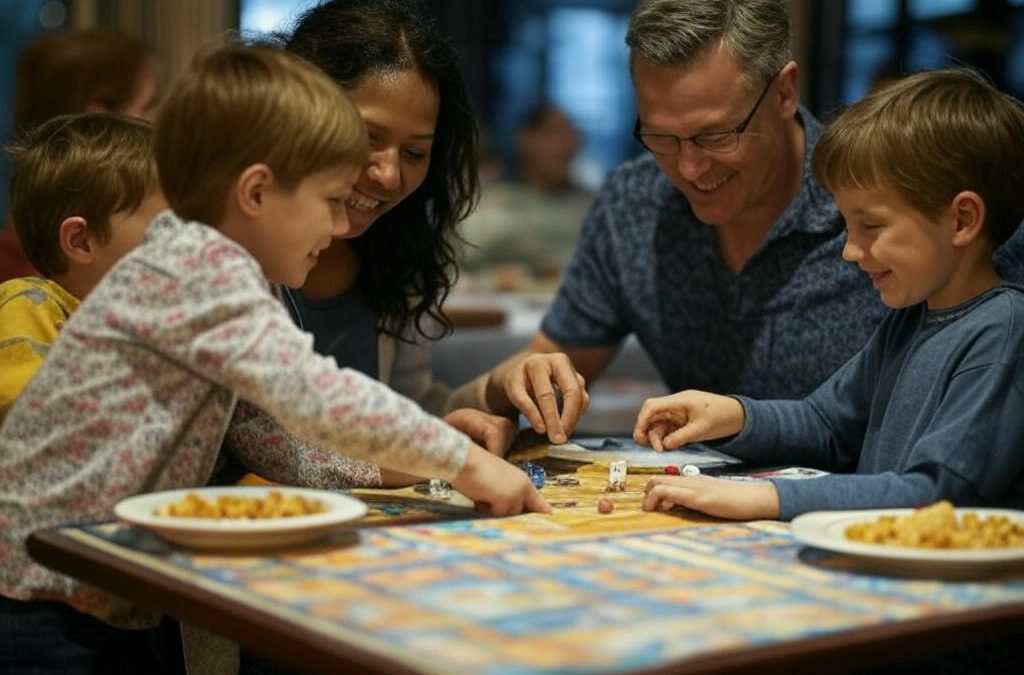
<point>678,32</point>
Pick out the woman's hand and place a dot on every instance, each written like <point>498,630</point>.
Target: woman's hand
<point>667,422</point>
<point>717,497</point>
<point>493,432</point>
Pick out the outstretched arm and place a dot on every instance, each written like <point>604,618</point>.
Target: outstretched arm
<point>263,447</point>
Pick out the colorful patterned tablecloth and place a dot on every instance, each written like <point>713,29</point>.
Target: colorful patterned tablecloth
<point>535,595</point>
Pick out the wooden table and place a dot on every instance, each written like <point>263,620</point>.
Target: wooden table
<point>576,591</point>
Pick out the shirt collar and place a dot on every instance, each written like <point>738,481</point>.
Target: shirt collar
<point>812,209</point>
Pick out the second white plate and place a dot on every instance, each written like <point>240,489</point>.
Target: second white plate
<point>827,530</point>
<point>238,535</point>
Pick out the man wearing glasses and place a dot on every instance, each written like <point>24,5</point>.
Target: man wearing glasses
<point>717,248</point>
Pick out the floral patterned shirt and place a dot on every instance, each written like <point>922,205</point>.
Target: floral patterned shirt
<point>262,447</point>
<point>139,390</point>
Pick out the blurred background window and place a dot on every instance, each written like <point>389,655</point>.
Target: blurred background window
<point>882,39</point>
<point>268,16</point>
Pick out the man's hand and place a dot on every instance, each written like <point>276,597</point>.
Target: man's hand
<point>533,384</point>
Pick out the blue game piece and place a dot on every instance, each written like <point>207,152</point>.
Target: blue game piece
<point>538,476</point>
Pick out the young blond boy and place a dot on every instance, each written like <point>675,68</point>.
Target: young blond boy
<point>83,189</point>
<point>927,173</point>
<point>139,390</point>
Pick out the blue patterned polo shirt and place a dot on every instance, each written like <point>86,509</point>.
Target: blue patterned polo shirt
<point>645,264</point>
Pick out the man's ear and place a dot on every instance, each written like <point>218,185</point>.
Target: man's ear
<point>251,188</point>
<point>789,89</point>
<point>73,236</point>
<point>968,211</point>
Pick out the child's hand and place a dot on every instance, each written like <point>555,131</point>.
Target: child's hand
<point>667,422</point>
<point>494,432</point>
<point>714,496</point>
<point>497,487</point>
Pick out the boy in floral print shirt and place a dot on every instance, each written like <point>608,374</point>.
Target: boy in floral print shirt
<point>138,392</point>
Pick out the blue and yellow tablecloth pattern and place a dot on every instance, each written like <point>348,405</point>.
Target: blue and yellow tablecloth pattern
<point>528,595</point>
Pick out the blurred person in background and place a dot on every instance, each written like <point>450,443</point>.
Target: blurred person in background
<point>523,231</point>
<point>94,70</point>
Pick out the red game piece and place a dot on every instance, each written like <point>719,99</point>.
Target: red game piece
<point>672,470</point>
<point>605,505</point>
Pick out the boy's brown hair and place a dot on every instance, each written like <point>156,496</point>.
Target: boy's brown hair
<point>240,105</point>
<point>931,136</point>
<point>91,165</point>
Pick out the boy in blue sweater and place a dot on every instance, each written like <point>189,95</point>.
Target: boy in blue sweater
<point>927,173</point>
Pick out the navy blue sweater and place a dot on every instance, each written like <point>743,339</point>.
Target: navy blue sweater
<point>932,408</point>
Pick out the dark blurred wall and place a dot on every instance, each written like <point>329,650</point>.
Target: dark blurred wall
<point>477,30</point>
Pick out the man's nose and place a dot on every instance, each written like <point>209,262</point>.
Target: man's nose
<point>692,161</point>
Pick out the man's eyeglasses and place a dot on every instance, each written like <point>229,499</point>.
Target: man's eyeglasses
<point>713,141</point>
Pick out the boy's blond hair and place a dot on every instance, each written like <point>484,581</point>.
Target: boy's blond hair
<point>240,105</point>
<point>931,136</point>
<point>91,165</point>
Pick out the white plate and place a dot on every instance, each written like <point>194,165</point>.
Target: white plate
<point>827,530</point>
<point>232,534</point>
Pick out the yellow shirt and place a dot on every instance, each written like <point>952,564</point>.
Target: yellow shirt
<point>32,312</point>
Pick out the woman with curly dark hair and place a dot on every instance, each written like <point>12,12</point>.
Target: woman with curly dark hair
<point>373,301</point>
<point>421,179</point>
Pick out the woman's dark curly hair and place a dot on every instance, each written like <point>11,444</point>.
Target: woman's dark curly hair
<point>408,257</point>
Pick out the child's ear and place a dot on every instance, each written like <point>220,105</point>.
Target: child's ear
<point>251,188</point>
<point>73,236</point>
<point>968,210</point>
